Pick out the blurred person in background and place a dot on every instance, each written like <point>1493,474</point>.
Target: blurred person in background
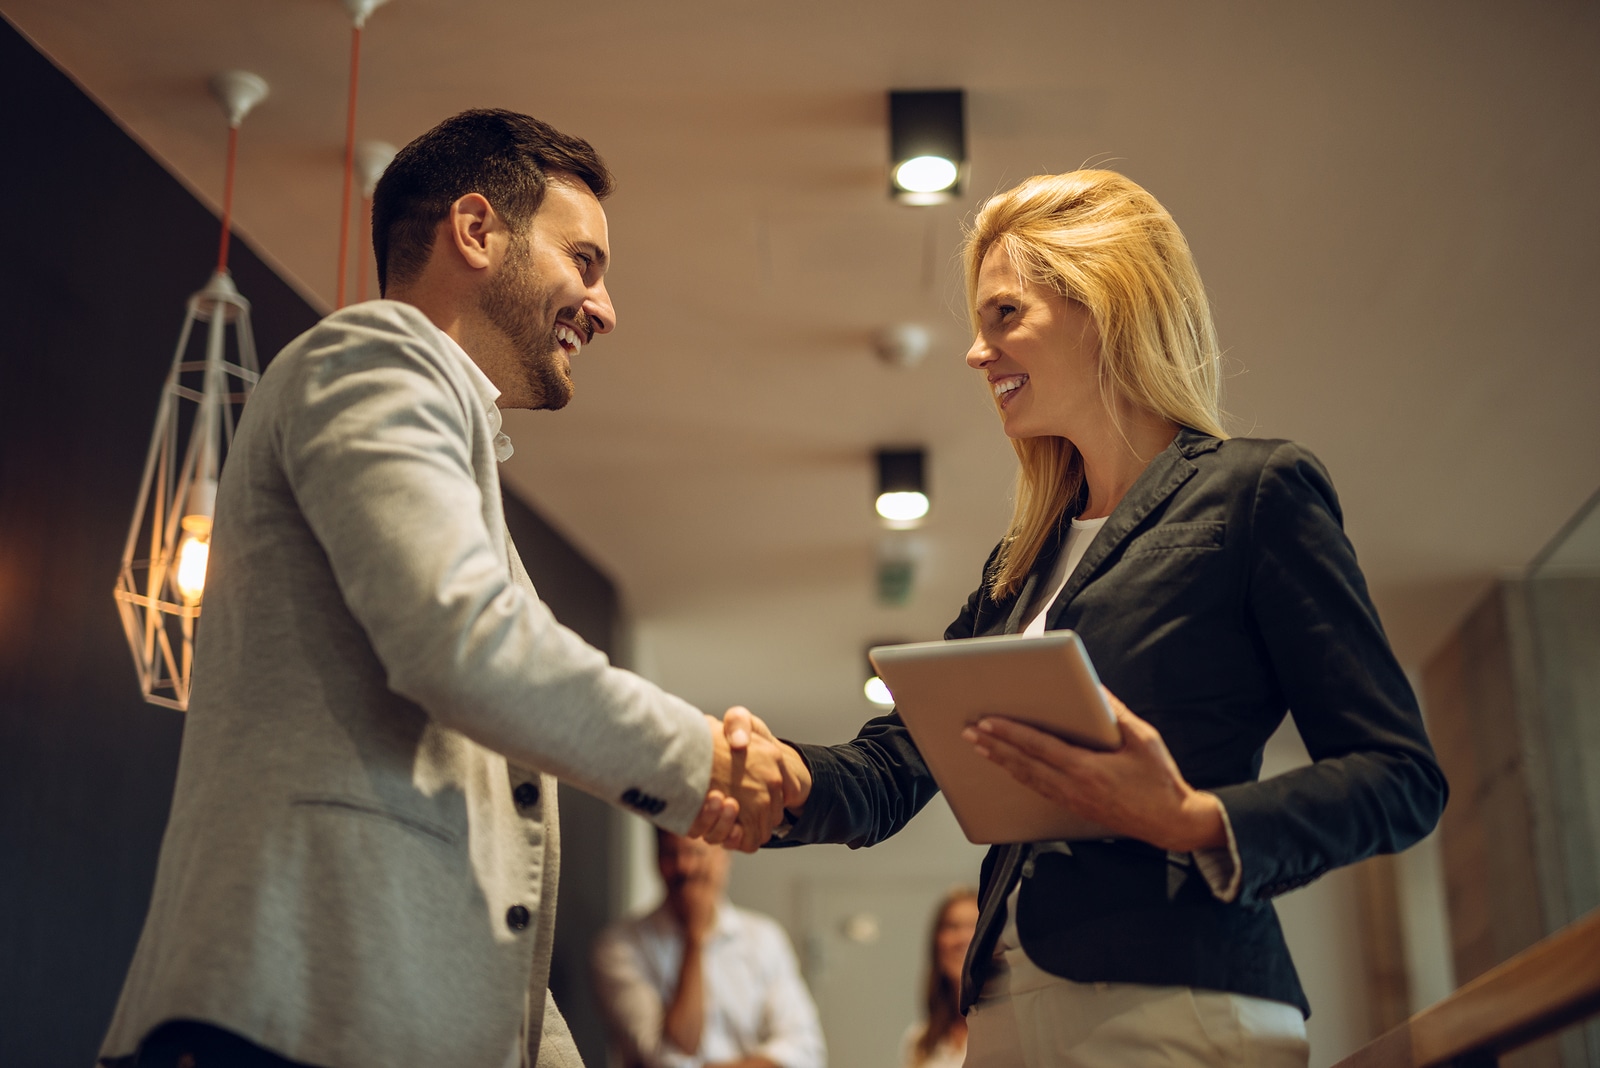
<point>940,1039</point>
<point>698,983</point>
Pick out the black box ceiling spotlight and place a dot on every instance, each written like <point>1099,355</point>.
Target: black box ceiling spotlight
<point>901,505</point>
<point>927,144</point>
<point>902,493</point>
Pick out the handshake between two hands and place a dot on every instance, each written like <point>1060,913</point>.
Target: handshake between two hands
<point>754,778</point>
<point>1136,791</point>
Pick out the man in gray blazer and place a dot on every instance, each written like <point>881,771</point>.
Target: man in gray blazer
<point>360,865</point>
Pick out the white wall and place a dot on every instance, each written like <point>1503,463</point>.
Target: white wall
<point>1322,924</point>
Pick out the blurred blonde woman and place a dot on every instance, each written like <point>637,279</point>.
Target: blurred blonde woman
<point>1212,583</point>
<point>940,1039</point>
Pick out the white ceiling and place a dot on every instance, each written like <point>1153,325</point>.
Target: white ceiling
<point>1394,207</point>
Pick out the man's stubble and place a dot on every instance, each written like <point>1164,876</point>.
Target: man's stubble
<point>524,311</point>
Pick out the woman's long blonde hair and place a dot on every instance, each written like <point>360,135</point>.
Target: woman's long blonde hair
<point>1098,238</point>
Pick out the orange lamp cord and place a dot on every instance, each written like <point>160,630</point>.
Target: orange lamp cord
<point>349,162</point>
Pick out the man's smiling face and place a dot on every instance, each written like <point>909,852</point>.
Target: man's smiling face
<point>548,296</point>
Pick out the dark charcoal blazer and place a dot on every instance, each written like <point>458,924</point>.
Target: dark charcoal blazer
<point>1221,593</point>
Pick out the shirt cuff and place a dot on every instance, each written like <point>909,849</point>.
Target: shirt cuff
<point>1221,866</point>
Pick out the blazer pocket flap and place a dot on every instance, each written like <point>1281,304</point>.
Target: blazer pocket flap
<point>365,809</point>
<point>1170,536</point>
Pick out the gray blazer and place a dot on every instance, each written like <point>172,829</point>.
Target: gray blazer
<point>360,864</point>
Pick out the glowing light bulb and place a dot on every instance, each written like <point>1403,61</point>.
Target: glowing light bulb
<point>194,551</point>
<point>925,174</point>
<point>878,693</point>
<point>904,506</point>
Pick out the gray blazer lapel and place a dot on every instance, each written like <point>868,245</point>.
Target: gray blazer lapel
<point>1160,480</point>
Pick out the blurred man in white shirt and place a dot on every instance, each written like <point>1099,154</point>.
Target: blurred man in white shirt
<point>700,984</point>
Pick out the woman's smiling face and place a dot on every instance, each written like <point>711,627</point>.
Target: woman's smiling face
<point>1039,352</point>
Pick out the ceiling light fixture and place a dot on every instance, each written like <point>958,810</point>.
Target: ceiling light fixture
<point>159,595</point>
<point>903,345</point>
<point>927,144</point>
<point>875,689</point>
<point>878,693</point>
<point>902,494</point>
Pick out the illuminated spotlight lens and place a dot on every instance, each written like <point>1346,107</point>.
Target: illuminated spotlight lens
<point>902,507</point>
<point>925,174</point>
<point>878,693</point>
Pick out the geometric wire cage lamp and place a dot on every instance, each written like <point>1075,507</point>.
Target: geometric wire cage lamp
<point>162,581</point>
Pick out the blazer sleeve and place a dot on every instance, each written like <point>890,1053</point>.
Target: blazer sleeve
<point>868,788</point>
<point>1374,785</point>
<point>375,446</point>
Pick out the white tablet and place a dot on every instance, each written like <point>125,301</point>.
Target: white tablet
<point>1046,682</point>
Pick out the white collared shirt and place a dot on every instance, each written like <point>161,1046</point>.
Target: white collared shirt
<point>487,395</point>
<point>756,1003</point>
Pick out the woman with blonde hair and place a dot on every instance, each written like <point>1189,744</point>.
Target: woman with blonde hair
<point>939,1040</point>
<point>1212,583</point>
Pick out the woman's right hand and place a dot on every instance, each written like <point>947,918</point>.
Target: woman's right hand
<point>740,725</point>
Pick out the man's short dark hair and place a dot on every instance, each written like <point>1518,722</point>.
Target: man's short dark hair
<point>506,157</point>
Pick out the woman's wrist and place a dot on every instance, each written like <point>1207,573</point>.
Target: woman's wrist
<point>1201,824</point>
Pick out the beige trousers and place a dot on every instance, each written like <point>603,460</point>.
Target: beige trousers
<point>1028,1018</point>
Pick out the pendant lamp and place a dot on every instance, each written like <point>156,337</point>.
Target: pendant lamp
<point>159,593</point>
<point>359,11</point>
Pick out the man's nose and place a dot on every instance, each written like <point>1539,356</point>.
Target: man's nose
<point>980,354</point>
<point>597,306</point>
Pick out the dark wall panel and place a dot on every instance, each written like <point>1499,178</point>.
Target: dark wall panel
<point>102,247</point>
<point>585,600</point>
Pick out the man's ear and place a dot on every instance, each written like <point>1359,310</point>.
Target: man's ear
<point>474,228</point>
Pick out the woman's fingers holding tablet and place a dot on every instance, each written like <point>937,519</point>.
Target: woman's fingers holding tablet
<point>1135,791</point>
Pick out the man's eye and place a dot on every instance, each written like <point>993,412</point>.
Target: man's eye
<point>1006,310</point>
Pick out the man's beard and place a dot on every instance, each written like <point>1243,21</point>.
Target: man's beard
<point>521,309</point>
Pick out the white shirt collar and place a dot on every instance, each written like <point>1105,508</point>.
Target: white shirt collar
<point>487,395</point>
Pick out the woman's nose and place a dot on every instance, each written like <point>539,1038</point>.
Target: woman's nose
<point>979,354</point>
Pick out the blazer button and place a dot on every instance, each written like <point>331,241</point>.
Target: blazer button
<point>517,918</point>
<point>526,794</point>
